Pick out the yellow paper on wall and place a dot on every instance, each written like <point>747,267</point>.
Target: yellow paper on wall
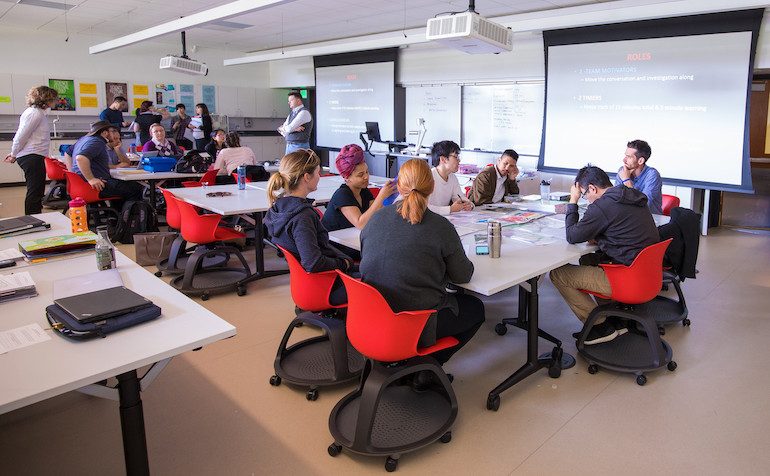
<point>88,101</point>
<point>138,102</point>
<point>141,90</point>
<point>88,88</point>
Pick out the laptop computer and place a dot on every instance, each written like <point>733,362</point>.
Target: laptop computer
<point>103,304</point>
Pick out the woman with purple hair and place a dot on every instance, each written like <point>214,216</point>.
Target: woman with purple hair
<point>353,203</point>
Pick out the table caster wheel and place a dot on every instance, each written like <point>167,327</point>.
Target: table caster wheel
<point>159,273</point>
<point>592,369</point>
<point>391,464</point>
<point>493,403</point>
<point>312,394</point>
<point>275,380</point>
<point>501,329</point>
<point>446,437</point>
<point>641,380</point>
<point>671,366</point>
<point>334,449</point>
<point>204,297</point>
<point>554,371</point>
<point>241,290</point>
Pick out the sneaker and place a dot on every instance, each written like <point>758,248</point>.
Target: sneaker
<point>601,333</point>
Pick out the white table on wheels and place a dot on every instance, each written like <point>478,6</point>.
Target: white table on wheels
<point>150,180</point>
<point>56,366</point>
<point>519,264</point>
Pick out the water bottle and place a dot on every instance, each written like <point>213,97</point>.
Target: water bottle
<point>105,251</point>
<point>241,177</point>
<point>78,216</point>
<point>132,148</point>
<point>494,238</point>
<point>545,190</point>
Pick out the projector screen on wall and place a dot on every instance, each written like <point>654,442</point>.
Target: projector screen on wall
<point>685,93</point>
<point>349,96</point>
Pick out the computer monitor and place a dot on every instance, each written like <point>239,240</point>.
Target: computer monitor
<point>373,131</point>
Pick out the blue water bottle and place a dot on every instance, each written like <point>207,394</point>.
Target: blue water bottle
<point>241,177</point>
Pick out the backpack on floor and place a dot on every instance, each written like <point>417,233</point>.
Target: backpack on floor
<point>135,217</point>
<point>193,162</point>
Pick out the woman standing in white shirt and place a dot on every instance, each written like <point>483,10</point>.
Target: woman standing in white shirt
<point>31,145</point>
<point>447,196</point>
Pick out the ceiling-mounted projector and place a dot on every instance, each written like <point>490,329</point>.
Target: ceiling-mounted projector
<point>183,65</point>
<point>470,32</point>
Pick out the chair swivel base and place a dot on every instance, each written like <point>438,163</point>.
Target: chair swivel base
<point>201,281</point>
<point>327,359</point>
<point>384,417</point>
<point>179,255</point>
<point>637,351</point>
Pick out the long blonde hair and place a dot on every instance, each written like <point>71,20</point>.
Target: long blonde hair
<point>293,167</point>
<point>415,184</point>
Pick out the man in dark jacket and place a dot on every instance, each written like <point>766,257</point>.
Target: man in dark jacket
<point>620,222</point>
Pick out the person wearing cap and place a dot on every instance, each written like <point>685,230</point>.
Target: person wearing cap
<point>92,163</point>
<point>118,158</point>
<point>353,203</point>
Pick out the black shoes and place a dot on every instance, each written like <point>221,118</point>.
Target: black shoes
<point>425,380</point>
<point>604,332</point>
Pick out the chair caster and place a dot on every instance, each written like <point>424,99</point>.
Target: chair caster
<point>391,464</point>
<point>312,394</point>
<point>592,369</point>
<point>641,380</point>
<point>205,297</point>
<point>501,329</point>
<point>661,330</point>
<point>446,437</point>
<point>334,449</point>
<point>241,290</point>
<point>671,366</point>
<point>686,322</point>
<point>554,371</point>
<point>159,273</point>
<point>493,403</point>
<point>275,380</point>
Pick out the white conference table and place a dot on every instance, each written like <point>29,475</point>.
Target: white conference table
<point>149,180</point>
<point>43,370</point>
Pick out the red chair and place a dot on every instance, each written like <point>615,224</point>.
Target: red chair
<point>409,419</point>
<point>56,197</point>
<point>177,260</point>
<point>209,178</point>
<point>98,207</point>
<point>632,286</point>
<point>669,202</point>
<point>205,230</point>
<point>321,360</point>
<point>375,191</point>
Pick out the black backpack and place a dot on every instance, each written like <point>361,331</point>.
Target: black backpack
<point>135,217</point>
<point>193,162</point>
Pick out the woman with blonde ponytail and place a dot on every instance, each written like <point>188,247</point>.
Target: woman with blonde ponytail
<point>294,224</point>
<point>410,254</point>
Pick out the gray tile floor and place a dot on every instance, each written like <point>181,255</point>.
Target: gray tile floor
<point>214,412</point>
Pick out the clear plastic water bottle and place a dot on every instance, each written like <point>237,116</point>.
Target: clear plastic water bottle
<point>241,177</point>
<point>105,251</point>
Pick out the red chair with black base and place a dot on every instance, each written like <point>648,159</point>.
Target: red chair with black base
<point>384,416</point>
<point>641,349</point>
<point>99,209</point>
<point>205,230</point>
<point>209,178</point>
<point>669,202</point>
<point>56,197</point>
<point>321,360</point>
<point>177,259</point>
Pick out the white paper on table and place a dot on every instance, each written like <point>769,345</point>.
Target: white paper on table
<point>11,253</point>
<point>22,337</point>
<point>15,281</point>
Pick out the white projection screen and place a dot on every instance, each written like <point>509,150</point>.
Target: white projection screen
<point>685,91</point>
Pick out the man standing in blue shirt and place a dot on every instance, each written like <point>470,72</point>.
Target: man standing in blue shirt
<point>636,174</point>
<point>92,163</point>
<point>114,114</point>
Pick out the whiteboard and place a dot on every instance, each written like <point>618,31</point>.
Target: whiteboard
<point>499,117</point>
<point>440,107</point>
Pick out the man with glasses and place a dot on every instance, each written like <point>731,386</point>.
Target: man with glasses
<point>497,180</point>
<point>619,221</point>
<point>447,196</point>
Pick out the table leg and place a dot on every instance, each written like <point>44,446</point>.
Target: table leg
<point>555,360</point>
<point>259,238</point>
<point>132,425</point>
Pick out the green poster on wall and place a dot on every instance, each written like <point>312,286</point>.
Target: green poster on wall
<point>66,90</point>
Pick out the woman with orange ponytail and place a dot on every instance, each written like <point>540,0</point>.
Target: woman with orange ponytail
<point>409,254</point>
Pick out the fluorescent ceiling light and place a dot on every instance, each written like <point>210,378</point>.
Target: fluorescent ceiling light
<point>45,4</point>
<point>239,7</point>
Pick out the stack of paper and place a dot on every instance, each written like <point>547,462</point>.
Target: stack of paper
<point>16,286</point>
<point>57,246</point>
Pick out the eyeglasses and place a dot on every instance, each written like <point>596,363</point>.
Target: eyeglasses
<point>218,194</point>
<point>456,156</point>
<point>583,195</point>
<point>310,154</point>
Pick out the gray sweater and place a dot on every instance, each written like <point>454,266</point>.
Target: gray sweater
<point>410,265</point>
